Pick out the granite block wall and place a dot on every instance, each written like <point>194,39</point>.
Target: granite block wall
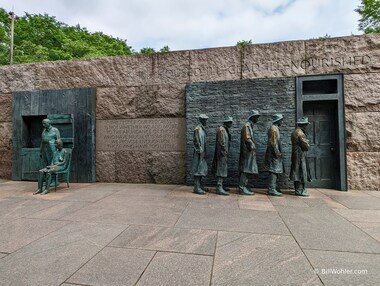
<point>154,86</point>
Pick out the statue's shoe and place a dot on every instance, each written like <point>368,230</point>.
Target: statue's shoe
<point>245,192</point>
<point>199,192</point>
<point>302,194</point>
<point>274,193</point>
<point>45,192</point>
<point>222,192</point>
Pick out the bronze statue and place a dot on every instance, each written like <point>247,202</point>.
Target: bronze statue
<point>273,155</point>
<point>48,142</point>
<point>219,164</point>
<point>299,170</point>
<point>57,164</point>
<point>199,157</point>
<point>247,158</point>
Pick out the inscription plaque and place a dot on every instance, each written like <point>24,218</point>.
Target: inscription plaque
<point>159,134</point>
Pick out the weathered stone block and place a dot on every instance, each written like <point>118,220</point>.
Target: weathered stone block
<point>113,71</point>
<point>215,64</point>
<point>6,107</point>
<point>356,54</point>
<point>5,136</point>
<point>116,102</point>
<point>167,167</point>
<point>363,171</point>
<point>141,101</point>
<point>362,92</point>
<point>6,164</point>
<point>170,100</point>
<point>131,167</point>
<point>273,60</point>
<point>17,78</point>
<point>171,67</point>
<point>363,132</point>
<point>105,166</point>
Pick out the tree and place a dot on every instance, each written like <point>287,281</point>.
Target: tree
<point>42,38</point>
<point>369,11</point>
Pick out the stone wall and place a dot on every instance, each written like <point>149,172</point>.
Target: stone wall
<point>153,86</point>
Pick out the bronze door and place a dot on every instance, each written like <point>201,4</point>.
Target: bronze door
<point>322,134</point>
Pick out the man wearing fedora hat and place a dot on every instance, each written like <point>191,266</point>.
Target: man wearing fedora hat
<point>219,164</point>
<point>199,157</point>
<point>247,158</point>
<point>299,170</point>
<point>273,155</point>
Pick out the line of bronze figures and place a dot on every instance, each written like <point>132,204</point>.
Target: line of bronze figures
<point>273,162</point>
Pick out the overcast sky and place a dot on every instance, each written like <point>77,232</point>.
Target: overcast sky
<point>183,24</point>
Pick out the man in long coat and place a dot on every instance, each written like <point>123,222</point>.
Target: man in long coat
<point>219,164</point>
<point>299,170</point>
<point>273,155</point>
<point>247,158</point>
<point>48,142</point>
<point>199,157</point>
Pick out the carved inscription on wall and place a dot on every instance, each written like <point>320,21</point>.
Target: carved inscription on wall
<point>159,134</point>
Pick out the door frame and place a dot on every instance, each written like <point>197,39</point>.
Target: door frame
<point>338,96</point>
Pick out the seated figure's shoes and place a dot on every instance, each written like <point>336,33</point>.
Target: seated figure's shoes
<point>39,191</point>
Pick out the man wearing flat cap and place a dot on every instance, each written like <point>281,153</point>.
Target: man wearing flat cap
<point>199,157</point>
<point>219,164</point>
<point>247,158</point>
<point>273,155</point>
<point>299,170</point>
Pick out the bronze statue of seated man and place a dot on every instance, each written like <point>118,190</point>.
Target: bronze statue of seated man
<point>58,163</point>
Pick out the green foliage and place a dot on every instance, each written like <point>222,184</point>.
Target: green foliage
<point>147,51</point>
<point>369,11</point>
<point>165,49</point>
<point>42,38</point>
<point>244,43</point>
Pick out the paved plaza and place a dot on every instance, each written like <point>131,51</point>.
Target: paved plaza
<point>139,234</point>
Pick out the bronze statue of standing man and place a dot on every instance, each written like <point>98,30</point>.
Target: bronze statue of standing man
<point>48,142</point>
<point>273,155</point>
<point>219,164</point>
<point>199,157</point>
<point>247,158</point>
<point>299,170</point>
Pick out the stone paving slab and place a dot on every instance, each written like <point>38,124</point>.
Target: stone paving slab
<point>256,203</point>
<point>113,266</point>
<point>55,257</point>
<point>360,215</point>
<point>365,202</point>
<point>59,210</point>
<point>260,259</point>
<point>193,241</point>
<point>177,269</point>
<point>21,232</point>
<point>3,255</point>
<point>233,220</point>
<point>216,202</point>
<point>14,208</point>
<point>372,228</point>
<point>326,230</point>
<point>343,268</point>
<point>131,214</point>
